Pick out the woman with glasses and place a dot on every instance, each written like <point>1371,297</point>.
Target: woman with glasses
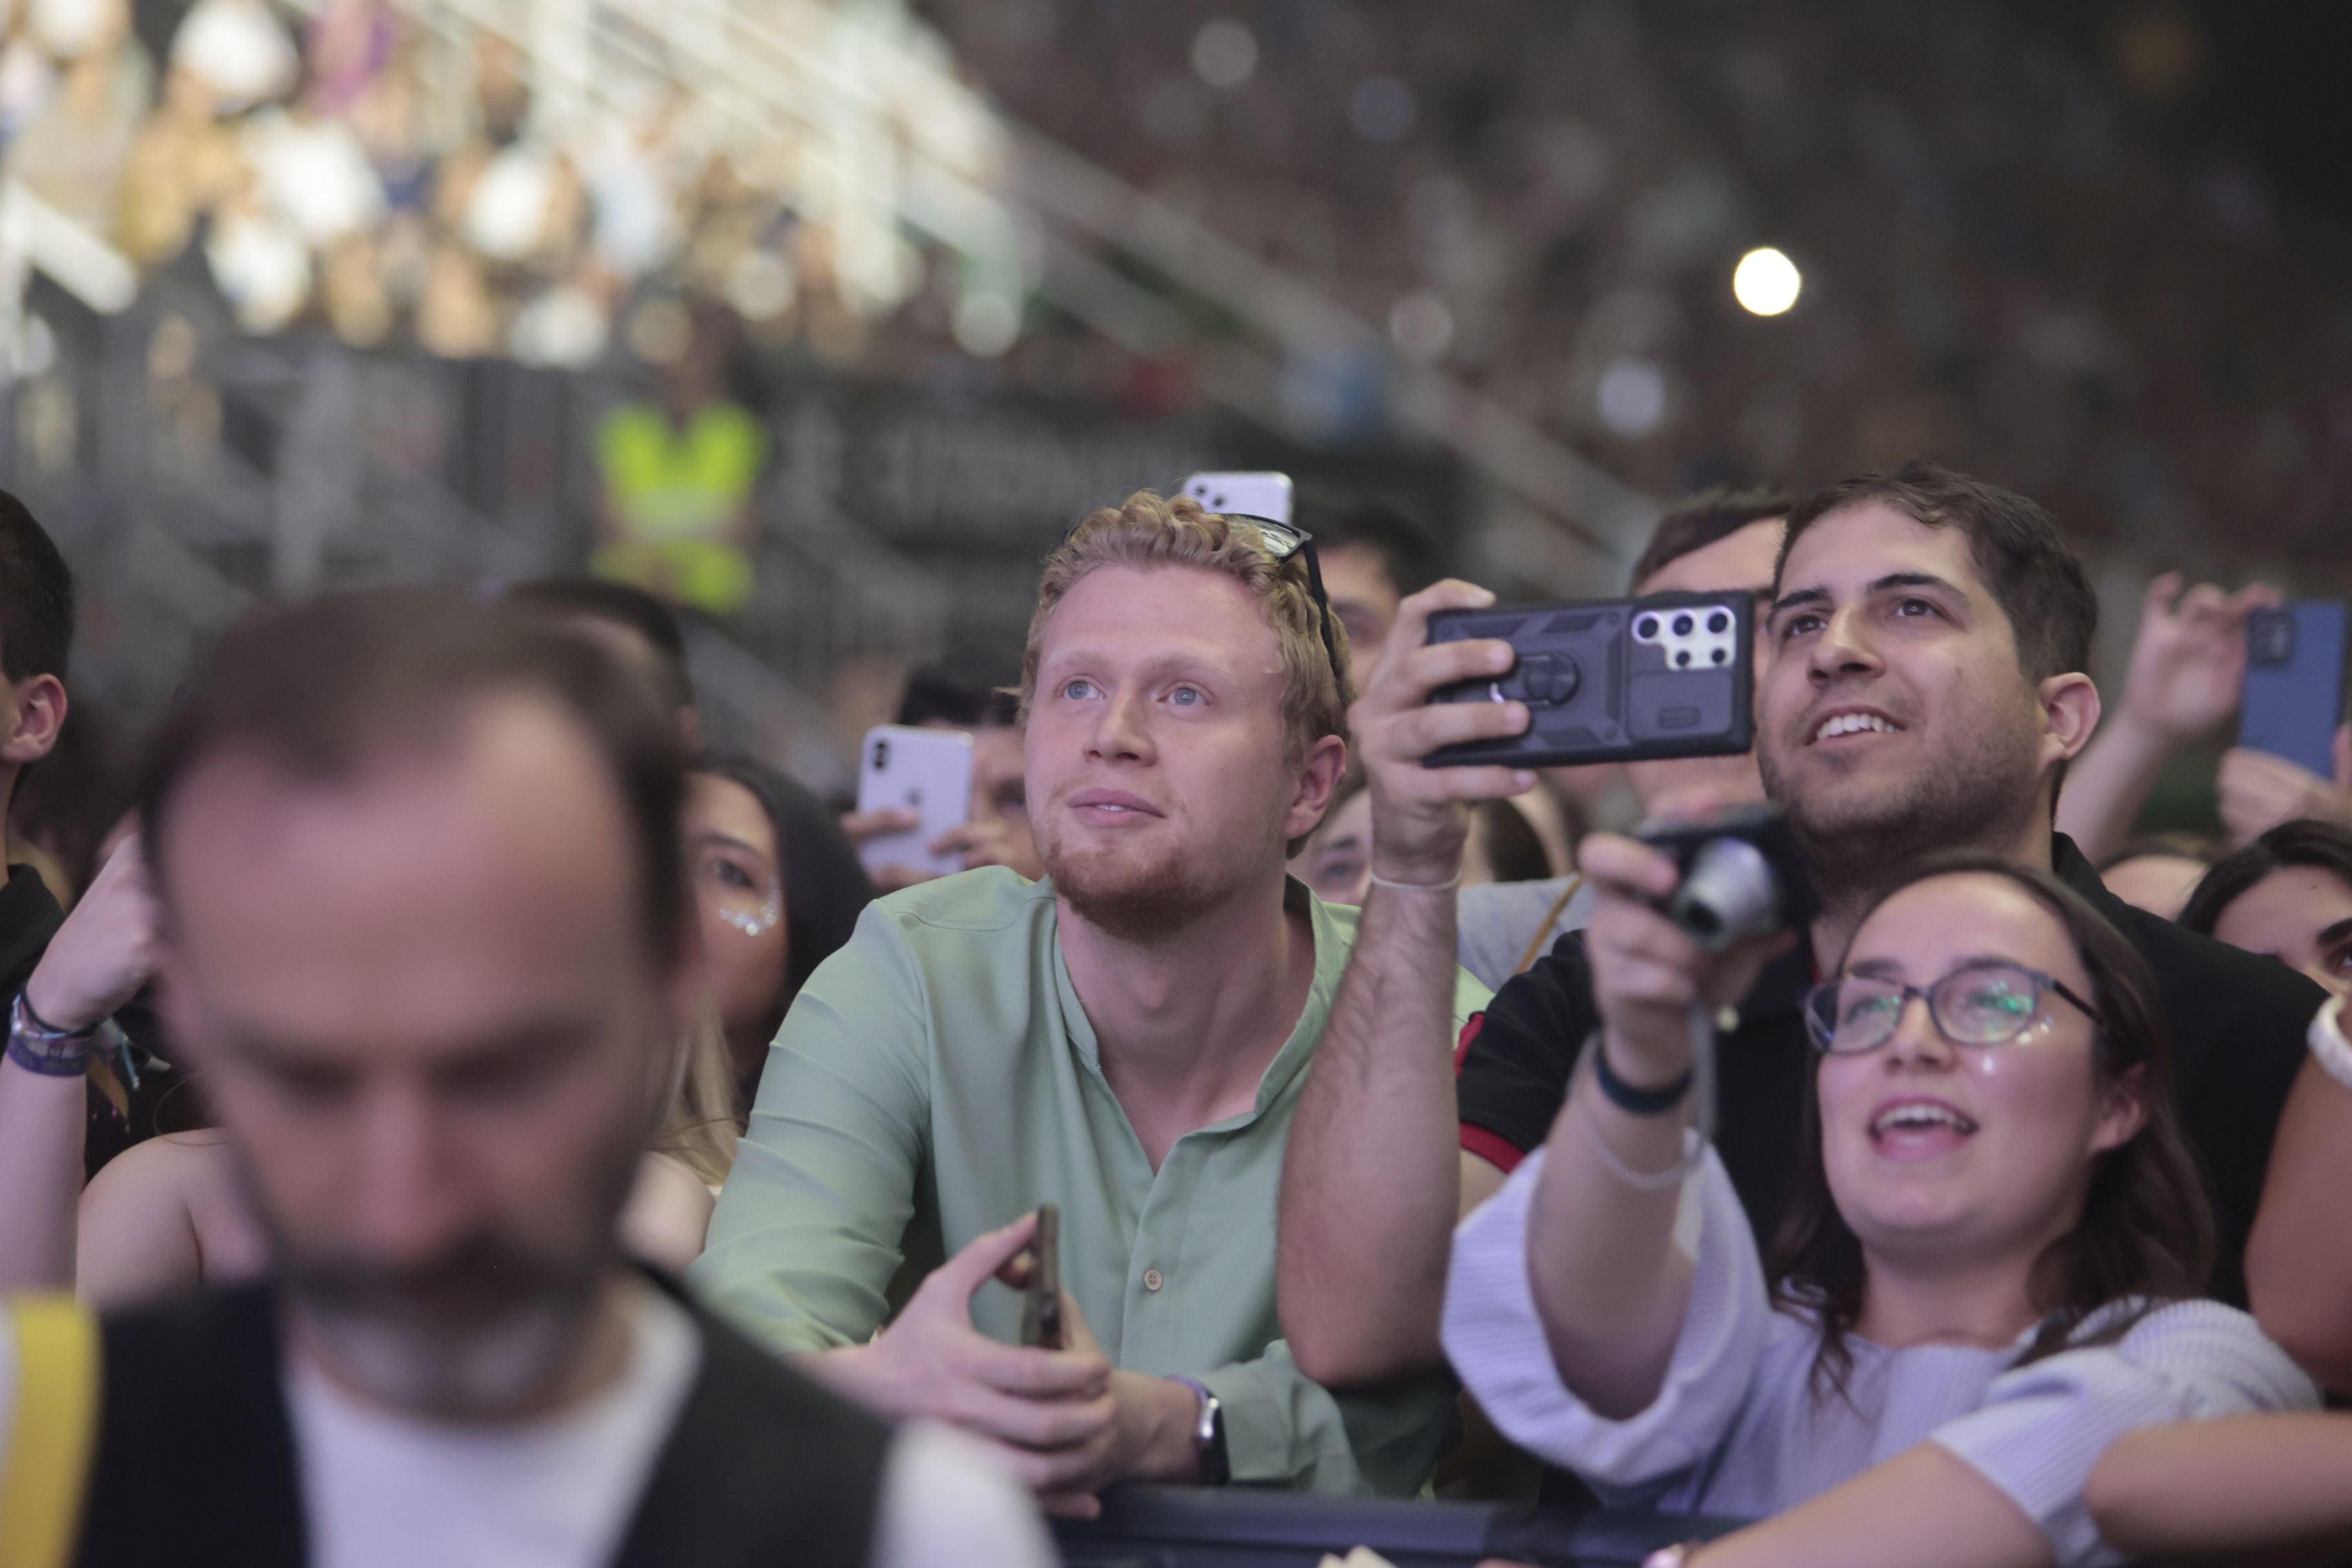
<point>1989,1273</point>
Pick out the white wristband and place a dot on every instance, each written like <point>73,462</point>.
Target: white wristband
<point>2328,1046</point>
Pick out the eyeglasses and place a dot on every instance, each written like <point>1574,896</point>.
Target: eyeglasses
<point>1989,1002</point>
<point>1282,540</point>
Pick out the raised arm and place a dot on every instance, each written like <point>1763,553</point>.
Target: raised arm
<point>2267,1489</point>
<point>97,962</point>
<point>1609,1283</point>
<point>2187,665</point>
<point>2299,1257</point>
<point>1370,1177</point>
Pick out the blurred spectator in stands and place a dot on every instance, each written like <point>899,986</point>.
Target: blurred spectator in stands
<point>240,50</point>
<point>183,165</point>
<point>679,477</point>
<point>1143,1018</point>
<point>1995,1178</point>
<point>73,155</point>
<point>2288,895</point>
<point>1372,555</point>
<point>2187,665</point>
<point>346,51</point>
<point>1337,860</point>
<point>424,882</point>
<point>65,803</point>
<point>456,317</point>
<point>780,891</point>
<point>1502,850</point>
<point>2155,871</point>
<point>628,621</point>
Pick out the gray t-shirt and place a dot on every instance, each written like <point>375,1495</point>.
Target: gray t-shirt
<point>1496,923</point>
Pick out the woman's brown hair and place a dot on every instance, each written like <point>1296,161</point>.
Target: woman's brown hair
<point>2145,1231</point>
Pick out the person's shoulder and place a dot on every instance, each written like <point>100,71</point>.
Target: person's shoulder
<point>987,900</point>
<point>2216,1339</point>
<point>765,1390</point>
<point>2253,986</point>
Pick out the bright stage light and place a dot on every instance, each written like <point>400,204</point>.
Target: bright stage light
<point>1766,282</point>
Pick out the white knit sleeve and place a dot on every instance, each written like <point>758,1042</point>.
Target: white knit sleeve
<point>2043,1428</point>
<point>1496,1342</point>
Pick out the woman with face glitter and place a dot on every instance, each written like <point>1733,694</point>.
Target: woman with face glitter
<point>779,888</point>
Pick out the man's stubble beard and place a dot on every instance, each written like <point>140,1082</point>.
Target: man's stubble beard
<point>1138,902</point>
<point>1976,800</point>
<point>475,1333</point>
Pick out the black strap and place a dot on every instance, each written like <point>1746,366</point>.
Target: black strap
<point>1628,1097</point>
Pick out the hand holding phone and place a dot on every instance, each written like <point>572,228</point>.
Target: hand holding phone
<point>924,774</point>
<point>1041,1311</point>
<point>2294,694</point>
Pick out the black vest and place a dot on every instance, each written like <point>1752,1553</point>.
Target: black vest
<point>196,1454</point>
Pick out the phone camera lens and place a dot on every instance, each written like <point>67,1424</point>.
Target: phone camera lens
<point>1647,627</point>
<point>881,755</point>
<point>1682,658</point>
<point>1719,622</point>
<point>1683,625</point>
<point>1722,656</point>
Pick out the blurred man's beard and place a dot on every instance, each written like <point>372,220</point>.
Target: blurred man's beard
<point>475,1333</point>
<point>1133,899</point>
<point>1852,839</point>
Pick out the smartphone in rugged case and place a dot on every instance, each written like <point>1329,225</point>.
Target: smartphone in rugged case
<point>925,772</point>
<point>1612,681</point>
<point>1041,1311</point>
<point>2294,697</point>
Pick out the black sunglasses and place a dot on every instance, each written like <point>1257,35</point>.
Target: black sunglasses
<point>1281,540</point>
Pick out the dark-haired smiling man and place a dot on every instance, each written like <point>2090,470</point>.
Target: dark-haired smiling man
<point>1923,691</point>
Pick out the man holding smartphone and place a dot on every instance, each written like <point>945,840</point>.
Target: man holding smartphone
<point>1923,691</point>
<point>1125,1040</point>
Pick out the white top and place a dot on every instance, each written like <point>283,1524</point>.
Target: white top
<point>386,1491</point>
<point>1738,1431</point>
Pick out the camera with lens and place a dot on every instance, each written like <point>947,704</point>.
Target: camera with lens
<point>1741,876</point>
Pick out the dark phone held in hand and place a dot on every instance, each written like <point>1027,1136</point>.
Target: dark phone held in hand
<point>1612,681</point>
<point>1041,1310</point>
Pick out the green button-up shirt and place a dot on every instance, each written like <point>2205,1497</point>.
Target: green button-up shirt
<point>941,1069</point>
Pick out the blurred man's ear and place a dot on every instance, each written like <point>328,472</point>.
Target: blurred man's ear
<point>2070,711</point>
<point>40,702</point>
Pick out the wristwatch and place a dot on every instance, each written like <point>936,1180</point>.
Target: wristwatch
<point>1209,1435</point>
<point>38,1047</point>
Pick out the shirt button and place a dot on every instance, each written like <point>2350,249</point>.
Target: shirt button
<point>1153,1280</point>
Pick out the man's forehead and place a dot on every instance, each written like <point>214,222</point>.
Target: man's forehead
<point>1144,610</point>
<point>1847,550</point>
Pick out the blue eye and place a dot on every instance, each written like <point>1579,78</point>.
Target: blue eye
<point>1078,689</point>
<point>1188,696</point>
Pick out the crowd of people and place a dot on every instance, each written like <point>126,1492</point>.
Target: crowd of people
<point>341,166</point>
<point>528,1137</point>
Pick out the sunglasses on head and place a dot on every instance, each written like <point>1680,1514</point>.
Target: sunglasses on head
<point>1281,540</point>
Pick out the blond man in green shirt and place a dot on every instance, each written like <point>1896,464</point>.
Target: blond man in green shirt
<point>1125,1039</point>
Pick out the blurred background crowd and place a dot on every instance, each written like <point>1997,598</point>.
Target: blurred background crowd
<point>824,317</point>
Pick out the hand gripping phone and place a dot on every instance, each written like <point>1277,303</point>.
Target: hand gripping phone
<point>2294,694</point>
<point>925,772</point>
<point>1041,1310</point>
<point>1612,681</point>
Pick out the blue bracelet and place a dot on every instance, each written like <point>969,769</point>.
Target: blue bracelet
<point>39,1048</point>
<point>1630,1099</point>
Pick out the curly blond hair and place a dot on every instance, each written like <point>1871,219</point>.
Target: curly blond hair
<point>1148,532</point>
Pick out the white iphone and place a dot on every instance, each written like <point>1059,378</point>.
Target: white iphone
<point>925,771</point>
<point>1266,495</point>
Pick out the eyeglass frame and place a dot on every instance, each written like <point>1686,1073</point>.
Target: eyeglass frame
<point>1272,534</point>
<point>2044,985</point>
